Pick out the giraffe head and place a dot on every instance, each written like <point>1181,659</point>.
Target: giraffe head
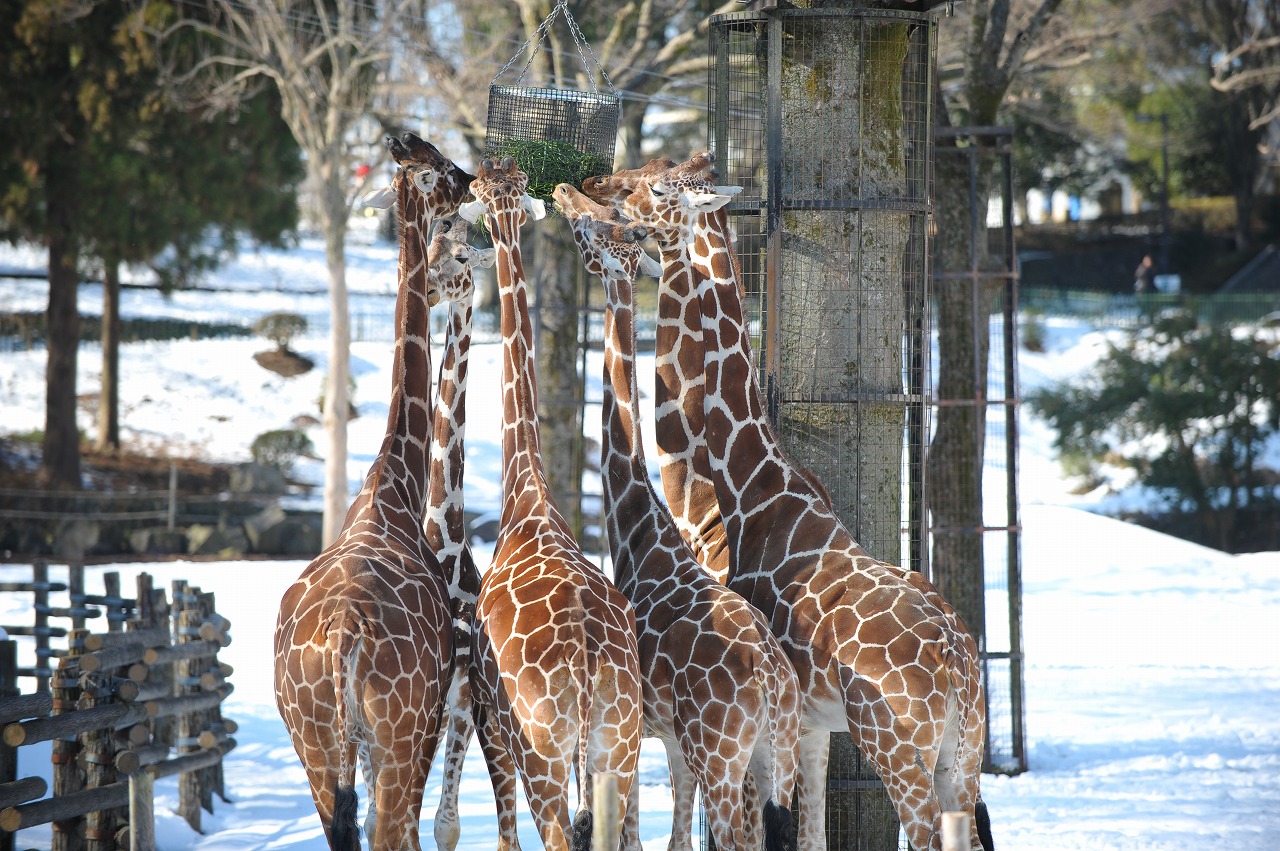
<point>428,183</point>
<point>609,244</point>
<point>451,261</point>
<point>664,196</point>
<point>500,189</point>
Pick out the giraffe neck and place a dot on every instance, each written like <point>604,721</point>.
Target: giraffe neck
<point>678,414</point>
<point>395,488</point>
<point>444,521</point>
<point>748,465</point>
<point>628,493</point>
<point>524,483</point>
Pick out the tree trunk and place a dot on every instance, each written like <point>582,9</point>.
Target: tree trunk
<point>109,396</point>
<point>956,454</point>
<point>841,304</point>
<point>558,294</point>
<point>60,466</point>
<point>333,219</point>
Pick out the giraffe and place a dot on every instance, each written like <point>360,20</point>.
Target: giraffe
<point>877,650</point>
<point>555,645</point>
<point>451,261</point>
<point>719,691</point>
<point>363,643</point>
<point>682,449</point>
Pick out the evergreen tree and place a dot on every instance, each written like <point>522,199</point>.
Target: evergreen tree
<point>94,164</point>
<point>1189,408</point>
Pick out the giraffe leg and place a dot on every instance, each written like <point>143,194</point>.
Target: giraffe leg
<point>502,775</point>
<point>546,783</point>
<point>399,801</point>
<point>446,827</point>
<point>811,786</point>
<point>684,790</point>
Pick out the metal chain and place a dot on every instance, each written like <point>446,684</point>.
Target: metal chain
<point>579,42</point>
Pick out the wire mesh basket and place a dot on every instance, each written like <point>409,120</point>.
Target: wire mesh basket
<point>554,135</point>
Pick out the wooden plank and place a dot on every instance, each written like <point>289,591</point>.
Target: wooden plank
<point>142,816</point>
<point>25,706</point>
<point>64,807</point>
<point>20,791</point>
<point>73,723</point>
<point>116,656</point>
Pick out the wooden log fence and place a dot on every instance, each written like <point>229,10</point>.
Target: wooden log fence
<point>123,708</point>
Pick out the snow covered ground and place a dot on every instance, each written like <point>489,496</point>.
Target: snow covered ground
<point>1153,668</point>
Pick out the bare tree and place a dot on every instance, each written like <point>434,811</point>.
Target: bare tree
<point>996,38</point>
<point>324,58</point>
<point>648,49</point>
<point>1248,38</point>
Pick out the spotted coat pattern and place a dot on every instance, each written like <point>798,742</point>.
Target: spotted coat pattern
<point>718,690</point>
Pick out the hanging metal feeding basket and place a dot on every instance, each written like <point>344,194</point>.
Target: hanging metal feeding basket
<point>554,135</point>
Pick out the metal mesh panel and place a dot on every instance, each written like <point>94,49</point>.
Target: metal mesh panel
<point>983,289</point>
<point>822,116</point>
<point>554,135</point>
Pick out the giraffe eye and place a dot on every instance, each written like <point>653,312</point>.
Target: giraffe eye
<point>659,190</point>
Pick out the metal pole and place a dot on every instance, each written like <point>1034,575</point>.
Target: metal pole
<point>1164,193</point>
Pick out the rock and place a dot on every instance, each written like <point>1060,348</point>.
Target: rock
<point>255,525</point>
<point>284,362</point>
<point>257,479</point>
<point>157,540</point>
<point>296,535</point>
<point>210,540</point>
<point>74,538</point>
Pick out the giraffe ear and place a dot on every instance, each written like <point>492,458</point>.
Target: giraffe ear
<point>381,199</point>
<point>649,266</point>
<point>472,211</point>
<point>706,201</point>
<point>485,256</point>
<point>728,190</point>
<point>535,207</point>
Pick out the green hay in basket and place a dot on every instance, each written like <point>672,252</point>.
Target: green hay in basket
<point>551,163</point>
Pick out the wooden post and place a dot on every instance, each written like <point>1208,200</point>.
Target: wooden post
<point>214,782</point>
<point>604,813</point>
<point>955,831</point>
<point>142,815</point>
<point>75,590</point>
<point>67,777</point>
<point>111,588</point>
<point>99,758</point>
<point>40,579</point>
<point>173,496</point>
<point>190,791</point>
<point>8,755</point>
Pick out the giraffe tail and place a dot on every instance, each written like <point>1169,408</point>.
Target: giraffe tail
<point>779,832</point>
<point>984,826</point>
<point>344,833</point>
<point>584,667</point>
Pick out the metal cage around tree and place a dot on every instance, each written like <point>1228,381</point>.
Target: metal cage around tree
<point>823,117</point>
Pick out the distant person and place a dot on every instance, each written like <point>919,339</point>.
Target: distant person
<point>1144,285</point>
<point>1144,277</point>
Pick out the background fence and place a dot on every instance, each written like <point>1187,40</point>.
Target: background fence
<point>123,707</point>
